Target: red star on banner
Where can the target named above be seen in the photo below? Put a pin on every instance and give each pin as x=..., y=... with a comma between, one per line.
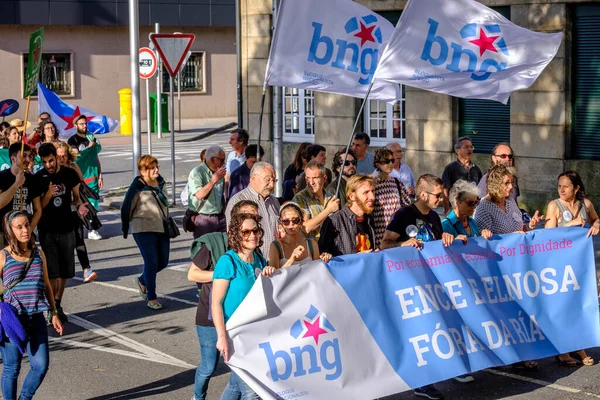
x=36, y=53
x=365, y=34
x=69, y=119
x=485, y=42
x=314, y=330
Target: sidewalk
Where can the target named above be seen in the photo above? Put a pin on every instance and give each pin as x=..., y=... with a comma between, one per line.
x=190, y=127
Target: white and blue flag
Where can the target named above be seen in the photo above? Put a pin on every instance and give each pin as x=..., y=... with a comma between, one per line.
x=64, y=114
x=329, y=46
x=464, y=49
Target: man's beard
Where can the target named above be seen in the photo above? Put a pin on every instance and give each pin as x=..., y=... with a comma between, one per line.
x=363, y=206
x=349, y=174
x=82, y=132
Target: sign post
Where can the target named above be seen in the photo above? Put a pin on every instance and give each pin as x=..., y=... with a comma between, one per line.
x=172, y=49
x=147, y=70
x=179, y=78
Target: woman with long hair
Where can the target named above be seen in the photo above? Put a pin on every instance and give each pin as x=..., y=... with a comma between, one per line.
x=572, y=208
x=27, y=295
x=144, y=209
x=232, y=280
x=49, y=132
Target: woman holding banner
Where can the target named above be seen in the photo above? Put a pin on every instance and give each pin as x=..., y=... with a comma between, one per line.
x=464, y=197
x=572, y=208
x=233, y=278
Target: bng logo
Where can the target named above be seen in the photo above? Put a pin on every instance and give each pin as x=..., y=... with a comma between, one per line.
x=479, y=41
x=363, y=41
x=316, y=350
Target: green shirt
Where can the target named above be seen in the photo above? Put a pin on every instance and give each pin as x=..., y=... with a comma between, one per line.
x=211, y=204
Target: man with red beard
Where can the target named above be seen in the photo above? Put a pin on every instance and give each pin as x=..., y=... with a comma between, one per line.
x=351, y=230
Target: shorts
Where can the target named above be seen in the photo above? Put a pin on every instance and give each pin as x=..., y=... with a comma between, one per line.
x=59, y=249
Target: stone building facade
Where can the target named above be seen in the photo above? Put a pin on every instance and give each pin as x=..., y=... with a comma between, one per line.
x=539, y=122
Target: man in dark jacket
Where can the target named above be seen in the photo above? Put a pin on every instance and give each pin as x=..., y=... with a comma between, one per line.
x=351, y=229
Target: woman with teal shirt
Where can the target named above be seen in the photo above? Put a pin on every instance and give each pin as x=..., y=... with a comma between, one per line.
x=464, y=198
x=232, y=280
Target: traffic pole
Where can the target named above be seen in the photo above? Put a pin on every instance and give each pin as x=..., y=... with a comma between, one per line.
x=158, y=91
x=172, y=138
x=148, y=116
x=134, y=64
x=179, y=76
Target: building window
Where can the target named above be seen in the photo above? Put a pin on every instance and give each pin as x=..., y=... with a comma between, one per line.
x=298, y=115
x=486, y=122
x=585, y=78
x=55, y=72
x=192, y=75
x=385, y=122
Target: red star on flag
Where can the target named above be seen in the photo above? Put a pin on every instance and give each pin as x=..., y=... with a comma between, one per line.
x=485, y=42
x=69, y=119
x=365, y=34
x=314, y=330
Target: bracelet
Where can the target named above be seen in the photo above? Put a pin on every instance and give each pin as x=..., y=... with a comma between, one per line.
x=55, y=312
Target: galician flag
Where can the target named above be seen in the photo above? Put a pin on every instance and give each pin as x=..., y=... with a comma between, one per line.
x=464, y=49
x=329, y=46
x=64, y=114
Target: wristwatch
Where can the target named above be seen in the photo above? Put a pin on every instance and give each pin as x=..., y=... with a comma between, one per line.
x=55, y=312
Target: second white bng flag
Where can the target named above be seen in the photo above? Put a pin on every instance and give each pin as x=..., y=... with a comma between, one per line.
x=464, y=49
x=329, y=46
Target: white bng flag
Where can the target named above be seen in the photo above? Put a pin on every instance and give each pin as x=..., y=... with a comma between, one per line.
x=464, y=49
x=329, y=46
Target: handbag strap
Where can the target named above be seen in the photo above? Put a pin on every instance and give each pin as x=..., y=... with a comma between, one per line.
x=156, y=198
x=23, y=273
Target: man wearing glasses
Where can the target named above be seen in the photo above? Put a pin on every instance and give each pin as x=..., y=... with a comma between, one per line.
x=460, y=169
x=501, y=154
x=259, y=190
x=348, y=171
x=206, y=204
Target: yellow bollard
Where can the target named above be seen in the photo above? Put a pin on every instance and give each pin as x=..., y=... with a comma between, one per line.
x=125, y=111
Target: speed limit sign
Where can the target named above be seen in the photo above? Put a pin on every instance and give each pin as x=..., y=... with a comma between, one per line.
x=148, y=63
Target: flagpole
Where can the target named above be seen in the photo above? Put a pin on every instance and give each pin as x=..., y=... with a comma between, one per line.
x=23, y=149
x=337, y=189
x=260, y=119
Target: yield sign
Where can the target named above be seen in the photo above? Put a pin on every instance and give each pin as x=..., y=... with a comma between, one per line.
x=172, y=49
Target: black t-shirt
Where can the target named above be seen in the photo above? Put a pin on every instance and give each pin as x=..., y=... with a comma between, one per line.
x=456, y=171
x=78, y=142
x=364, y=239
x=409, y=222
x=31, y=189
x=56, y=216
x=203, y=260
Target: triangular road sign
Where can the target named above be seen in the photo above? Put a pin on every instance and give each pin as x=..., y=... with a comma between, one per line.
x=172, y=48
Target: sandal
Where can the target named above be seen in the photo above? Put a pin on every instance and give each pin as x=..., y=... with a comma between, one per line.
x=143, y=294
x=526, y=366
x=156, y=306
x=565, y=363
x=582, y=357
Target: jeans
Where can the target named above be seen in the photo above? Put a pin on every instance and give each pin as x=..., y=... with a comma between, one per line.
x=236, y=387
x=207, y=337
x=37, y=350
x=155, y=252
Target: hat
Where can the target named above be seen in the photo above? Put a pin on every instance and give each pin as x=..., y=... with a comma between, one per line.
x=80, y=116
x=19, y=124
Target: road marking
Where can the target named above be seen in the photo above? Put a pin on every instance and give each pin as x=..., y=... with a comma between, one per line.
x=182, y=267
x=128, y=289
x=541, y=383
x=143, y=352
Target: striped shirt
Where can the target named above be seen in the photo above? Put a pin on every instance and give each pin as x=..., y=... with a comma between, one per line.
x=312, y=206
x=489, y=216
x=27, y=296
x=390, y=196
x=268, y=209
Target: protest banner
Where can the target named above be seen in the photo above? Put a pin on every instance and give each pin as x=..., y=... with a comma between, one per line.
x=474, y=53
x=5, y=162
x=367, y=326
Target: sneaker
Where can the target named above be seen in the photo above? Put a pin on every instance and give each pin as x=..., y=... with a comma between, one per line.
x=466, y=378
x=94, y=235
x=61, y=314
x=429, y=392
x=89, y=275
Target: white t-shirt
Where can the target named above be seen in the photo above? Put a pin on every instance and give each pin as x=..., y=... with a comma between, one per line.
x=234, y=161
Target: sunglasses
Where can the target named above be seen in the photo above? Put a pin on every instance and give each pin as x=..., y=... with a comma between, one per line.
x=387, y=161
x=472, y=203
x=350, y=162
x=438, y=196
x=288, y=221
x=504, y=156
x=246, y=232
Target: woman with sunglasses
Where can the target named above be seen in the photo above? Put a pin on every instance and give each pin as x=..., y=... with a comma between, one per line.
x=572, y=208
x=233, y=278
x=390, y=194
x=464, y=198
x=27, y=295
x=293, y=247
x=502, y=153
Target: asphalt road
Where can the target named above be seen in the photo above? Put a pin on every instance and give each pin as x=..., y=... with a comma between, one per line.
x=114, y=347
